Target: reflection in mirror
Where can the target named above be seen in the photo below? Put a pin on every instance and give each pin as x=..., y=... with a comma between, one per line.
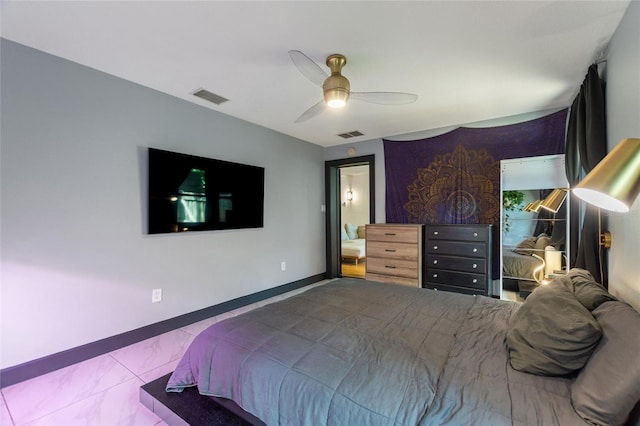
x=533, y=241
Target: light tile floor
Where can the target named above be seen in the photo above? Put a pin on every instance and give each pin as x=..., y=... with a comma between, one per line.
x=105, y=390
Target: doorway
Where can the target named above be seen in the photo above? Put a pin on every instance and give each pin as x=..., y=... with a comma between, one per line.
x=349, y=197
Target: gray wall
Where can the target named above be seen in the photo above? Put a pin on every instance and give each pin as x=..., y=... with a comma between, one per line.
x=77, y=265
x=623, y=111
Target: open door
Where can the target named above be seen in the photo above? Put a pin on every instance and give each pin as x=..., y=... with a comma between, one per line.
x=335, y=195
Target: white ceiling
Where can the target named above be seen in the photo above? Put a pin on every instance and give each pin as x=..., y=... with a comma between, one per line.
x=466, y=60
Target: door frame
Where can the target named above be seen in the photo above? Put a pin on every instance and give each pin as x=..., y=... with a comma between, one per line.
x=332, y=203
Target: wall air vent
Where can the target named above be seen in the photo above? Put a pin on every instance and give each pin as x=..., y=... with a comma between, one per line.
x=209, y=96
x=351, y=134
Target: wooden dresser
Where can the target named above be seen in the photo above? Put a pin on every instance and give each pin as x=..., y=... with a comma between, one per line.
x=458, y=258
x=394, y=253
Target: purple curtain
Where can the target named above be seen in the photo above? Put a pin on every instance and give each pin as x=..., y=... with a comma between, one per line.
x=455, y=177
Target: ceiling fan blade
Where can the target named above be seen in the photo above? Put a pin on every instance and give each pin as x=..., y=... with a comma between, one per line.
x=385, y=98
x=308, y=68
x=312, y=112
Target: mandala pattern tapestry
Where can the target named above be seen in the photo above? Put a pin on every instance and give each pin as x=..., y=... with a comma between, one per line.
x=455, y=177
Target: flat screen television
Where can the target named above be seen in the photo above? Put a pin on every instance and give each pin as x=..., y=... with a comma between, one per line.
x=190, y=193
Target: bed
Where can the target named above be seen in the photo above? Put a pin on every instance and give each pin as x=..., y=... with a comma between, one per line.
x=353, y=242
x=523, y=265
x=353, y=249
x=355, y=352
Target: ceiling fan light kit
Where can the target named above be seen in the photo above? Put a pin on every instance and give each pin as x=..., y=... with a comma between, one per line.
x=336, y=88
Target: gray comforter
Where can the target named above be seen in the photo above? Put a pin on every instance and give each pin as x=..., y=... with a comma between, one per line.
x=515, y=265
x=355, y=352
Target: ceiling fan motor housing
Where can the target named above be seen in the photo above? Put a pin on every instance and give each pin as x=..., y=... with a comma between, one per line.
x=336, y=87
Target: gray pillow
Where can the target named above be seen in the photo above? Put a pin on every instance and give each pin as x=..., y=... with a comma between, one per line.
x=588, y=292
x=608, y=387
x=526, y=246
x=541, y=243
x=551, y=334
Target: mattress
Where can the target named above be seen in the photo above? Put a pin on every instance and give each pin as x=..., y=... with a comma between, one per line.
x=361, y=352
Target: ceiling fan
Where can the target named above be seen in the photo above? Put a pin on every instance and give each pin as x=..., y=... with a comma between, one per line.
x=336, y=88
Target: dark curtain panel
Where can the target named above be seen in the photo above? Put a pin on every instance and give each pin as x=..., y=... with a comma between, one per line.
x=586, y=145
x=544, y=225
x=455, y=177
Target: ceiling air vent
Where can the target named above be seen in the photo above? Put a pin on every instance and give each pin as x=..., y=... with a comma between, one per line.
x=209, y=96
x=351, y=134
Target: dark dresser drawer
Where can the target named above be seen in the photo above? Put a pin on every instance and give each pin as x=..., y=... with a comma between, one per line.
x=457, y=248
x=458, y=232
x=461, y=279
x=464, y=290
x=464, y=264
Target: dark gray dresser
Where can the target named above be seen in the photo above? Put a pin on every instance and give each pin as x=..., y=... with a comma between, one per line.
x=458, y=258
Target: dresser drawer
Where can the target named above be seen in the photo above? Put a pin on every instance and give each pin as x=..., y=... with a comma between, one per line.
x=464, y=290
x=456, y=248
x=413, y=282
x=396, y=267
x=403, y=234
x=464, y=264
x=458, y=232
x=462, y=279
x=389, y=250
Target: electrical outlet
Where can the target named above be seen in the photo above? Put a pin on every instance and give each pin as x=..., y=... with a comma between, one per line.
x=156, y=295
x=283, y=266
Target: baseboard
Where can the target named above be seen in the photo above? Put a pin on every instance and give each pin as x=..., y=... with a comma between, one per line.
x=28, y=370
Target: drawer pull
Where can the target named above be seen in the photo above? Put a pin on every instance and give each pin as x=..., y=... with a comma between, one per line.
x=390, y=233
x=435, y=275
x=475, y=280
x=475, y=234
x=435, y=247
x=475, y=265
x=475, y=250
x=389, y=266
x=435, y=232
x=435, y=262
x=390, y=250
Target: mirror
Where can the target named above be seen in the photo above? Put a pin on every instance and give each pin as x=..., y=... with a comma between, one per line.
x=533, y=240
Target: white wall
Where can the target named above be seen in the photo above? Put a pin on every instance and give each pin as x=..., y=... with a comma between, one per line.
x=355, y=211
x=77, y=265
x=623, y=113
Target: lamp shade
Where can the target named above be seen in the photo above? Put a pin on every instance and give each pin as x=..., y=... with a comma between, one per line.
x=554, y=200
x=533, y=207
x=614, y=183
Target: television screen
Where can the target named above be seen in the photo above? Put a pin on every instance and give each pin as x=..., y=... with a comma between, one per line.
x=189, y=193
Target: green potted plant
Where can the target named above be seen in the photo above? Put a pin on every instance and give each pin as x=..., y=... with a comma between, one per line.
x=511, y=201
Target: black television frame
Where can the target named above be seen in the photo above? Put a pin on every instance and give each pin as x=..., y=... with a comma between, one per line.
x=227, y=195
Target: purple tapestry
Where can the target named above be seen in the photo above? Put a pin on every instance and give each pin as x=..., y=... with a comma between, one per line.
x=455, y=177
